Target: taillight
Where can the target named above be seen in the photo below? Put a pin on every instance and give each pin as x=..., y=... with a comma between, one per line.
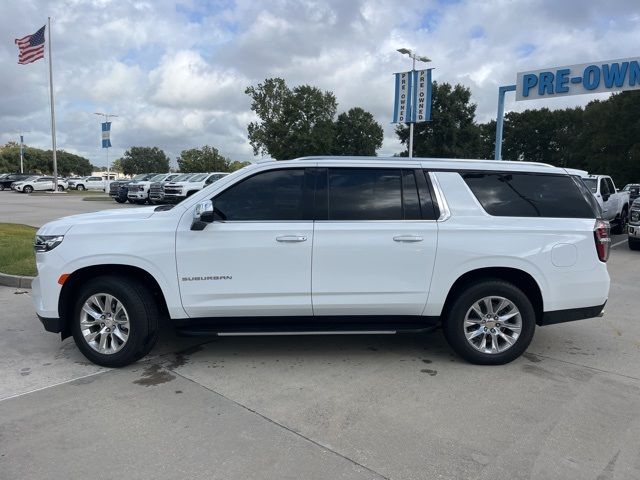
x=602, y=238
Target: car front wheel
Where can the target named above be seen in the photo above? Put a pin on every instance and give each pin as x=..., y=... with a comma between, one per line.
x=490, y=323
x=80, y=187
x=634, y=244
x=27, y=189
x=60, y=188
x=115, y=321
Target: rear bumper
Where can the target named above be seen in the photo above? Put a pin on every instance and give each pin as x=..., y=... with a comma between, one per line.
x=562, y=316
x=54, y=325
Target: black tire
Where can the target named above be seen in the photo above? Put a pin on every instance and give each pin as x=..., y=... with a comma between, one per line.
x=1, y=187
x=143, y=319
x=454, y=329
x=27, y=189
x=634, y=244
x=80, y=187
x=621, y=222
x=120, y=200
x=140, y=202
x=60, y=188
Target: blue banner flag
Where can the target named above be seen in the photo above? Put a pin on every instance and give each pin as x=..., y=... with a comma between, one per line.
x=106, y=134
x=412, y=97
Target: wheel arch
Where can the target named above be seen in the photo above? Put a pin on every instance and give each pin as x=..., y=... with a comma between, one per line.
x=521, y=279
x=85, y=274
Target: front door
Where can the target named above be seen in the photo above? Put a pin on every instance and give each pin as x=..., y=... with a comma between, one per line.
x=374, y=253
x=255, y=258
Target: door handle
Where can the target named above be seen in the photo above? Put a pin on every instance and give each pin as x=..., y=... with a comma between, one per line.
x=291, y=238
x=407, y=238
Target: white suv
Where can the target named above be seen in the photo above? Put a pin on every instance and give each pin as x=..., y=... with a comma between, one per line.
x=486, y=249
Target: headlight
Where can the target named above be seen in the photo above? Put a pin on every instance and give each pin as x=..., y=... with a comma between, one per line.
x=44, y=243
x=635, y=215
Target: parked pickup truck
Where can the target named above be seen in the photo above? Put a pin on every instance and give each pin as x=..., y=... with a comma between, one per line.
x=139, y=190
x=119, y=190
x=634, y=225
x=156, y=190
x=614, y=203
x=175, y=192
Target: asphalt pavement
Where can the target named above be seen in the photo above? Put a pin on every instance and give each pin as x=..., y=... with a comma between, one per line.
x=326, y=407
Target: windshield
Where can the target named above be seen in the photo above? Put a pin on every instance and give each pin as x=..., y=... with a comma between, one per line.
x=183, y=177
x=198, y=178
x=591, y=183
x=139, y=177
x=158, y=178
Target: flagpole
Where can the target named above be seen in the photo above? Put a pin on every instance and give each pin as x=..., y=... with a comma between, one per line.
x=53, y=114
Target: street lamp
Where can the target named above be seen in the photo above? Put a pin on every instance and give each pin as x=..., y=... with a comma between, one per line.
x=107, y=116
x=420, y=58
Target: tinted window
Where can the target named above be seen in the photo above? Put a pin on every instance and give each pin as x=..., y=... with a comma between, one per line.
x=528, y=195
x=612, y=188
x=364, y=194
x=604, y=188
x=410, y=197
x=273, y=195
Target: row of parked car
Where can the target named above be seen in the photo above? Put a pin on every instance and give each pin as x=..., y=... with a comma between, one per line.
x=32, y=182
x=160, y=188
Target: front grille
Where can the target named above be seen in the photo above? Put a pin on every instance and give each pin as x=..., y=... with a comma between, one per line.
x=169, y=190
x=114, y=187
x=156, y=190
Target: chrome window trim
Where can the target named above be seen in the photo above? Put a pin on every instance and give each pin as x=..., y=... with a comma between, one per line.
x=445, y=212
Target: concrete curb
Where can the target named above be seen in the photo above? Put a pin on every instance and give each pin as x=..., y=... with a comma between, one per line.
x=15, y=281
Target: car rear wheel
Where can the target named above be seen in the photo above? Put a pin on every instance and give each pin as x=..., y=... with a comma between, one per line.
x=115, y=321
x=621, y=223
x=60, y=188
x=1, y=187
x=490, y=323
x=27, y=189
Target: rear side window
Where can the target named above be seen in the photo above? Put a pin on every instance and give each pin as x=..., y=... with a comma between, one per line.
x=528, y=195
x=365, y=194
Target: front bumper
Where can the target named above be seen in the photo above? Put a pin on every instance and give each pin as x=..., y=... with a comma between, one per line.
x=634, y=231
x=53, y=325
x=137, y=195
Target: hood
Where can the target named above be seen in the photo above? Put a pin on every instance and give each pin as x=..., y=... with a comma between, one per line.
x=62, y=225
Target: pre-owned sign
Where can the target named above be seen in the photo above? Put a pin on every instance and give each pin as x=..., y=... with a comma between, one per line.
x=609, y=76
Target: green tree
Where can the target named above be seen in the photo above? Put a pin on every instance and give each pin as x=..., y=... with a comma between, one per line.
x=293, y=122
x=205, y=159
x=237, y=165
x=144, y=160
x=452, y=132
x=116, y=165
x=37, y=160
x=357, y=133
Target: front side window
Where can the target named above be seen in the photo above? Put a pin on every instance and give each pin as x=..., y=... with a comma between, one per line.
x=604, y=188
x=529, y=195
x=275, y=195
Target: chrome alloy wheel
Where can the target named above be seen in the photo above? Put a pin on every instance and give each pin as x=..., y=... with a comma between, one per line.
x=104, y=323
x=492, y=325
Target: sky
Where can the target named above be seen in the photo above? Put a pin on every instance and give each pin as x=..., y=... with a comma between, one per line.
x=175, y=72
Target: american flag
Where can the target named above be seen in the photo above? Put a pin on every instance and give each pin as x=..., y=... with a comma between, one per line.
x=31, y=47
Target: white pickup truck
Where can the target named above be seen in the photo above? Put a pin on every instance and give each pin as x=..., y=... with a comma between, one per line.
x=614, y=203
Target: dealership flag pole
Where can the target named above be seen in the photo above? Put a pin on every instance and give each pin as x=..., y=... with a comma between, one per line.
x=53, y=113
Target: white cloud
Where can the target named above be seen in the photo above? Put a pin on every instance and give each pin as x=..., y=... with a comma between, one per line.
x=176, y=72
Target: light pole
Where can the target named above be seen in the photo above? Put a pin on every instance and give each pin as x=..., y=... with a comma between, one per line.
x=421, y=58
x=107, y=116
x=21, y=132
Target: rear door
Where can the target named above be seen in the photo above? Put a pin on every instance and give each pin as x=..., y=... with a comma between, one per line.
x=375, y=241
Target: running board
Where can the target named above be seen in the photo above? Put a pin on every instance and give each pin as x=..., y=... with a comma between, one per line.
x=305, y=326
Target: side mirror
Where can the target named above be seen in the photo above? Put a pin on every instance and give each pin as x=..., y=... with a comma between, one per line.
x=202, y=215
x=605, y=197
